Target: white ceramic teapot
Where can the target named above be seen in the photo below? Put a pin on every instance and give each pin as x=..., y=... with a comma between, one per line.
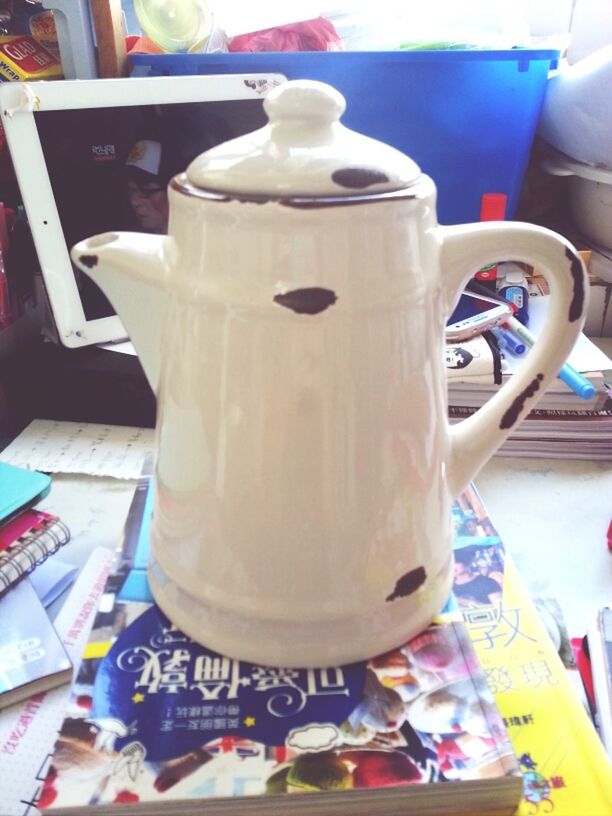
x=292, y=327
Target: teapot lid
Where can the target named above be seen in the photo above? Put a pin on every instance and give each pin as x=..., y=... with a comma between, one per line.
x=303, y=151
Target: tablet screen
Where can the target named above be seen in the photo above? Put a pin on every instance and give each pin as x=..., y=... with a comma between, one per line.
x=93, y=156
x=109, y=167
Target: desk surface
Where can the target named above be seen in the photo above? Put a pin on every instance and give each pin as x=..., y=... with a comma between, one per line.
x=552, y=515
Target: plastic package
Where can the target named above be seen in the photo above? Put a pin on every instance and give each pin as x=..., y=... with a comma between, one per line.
x=309, y=35
x=238, y=17
x=35, y=21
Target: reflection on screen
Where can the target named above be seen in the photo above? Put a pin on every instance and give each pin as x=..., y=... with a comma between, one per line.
x=109, y=167
x=468, y=306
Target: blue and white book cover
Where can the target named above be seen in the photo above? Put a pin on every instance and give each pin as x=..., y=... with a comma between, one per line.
x=157, y=718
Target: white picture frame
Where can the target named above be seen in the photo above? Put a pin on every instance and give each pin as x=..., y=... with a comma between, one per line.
x=19, y=103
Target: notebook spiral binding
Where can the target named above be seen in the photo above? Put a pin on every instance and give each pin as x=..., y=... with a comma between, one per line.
x=30, y=550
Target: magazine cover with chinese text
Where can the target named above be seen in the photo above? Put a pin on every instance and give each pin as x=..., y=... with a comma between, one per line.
x=158, y=723
x=566, y=770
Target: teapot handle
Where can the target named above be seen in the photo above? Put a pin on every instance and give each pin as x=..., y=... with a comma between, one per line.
x=467, y=248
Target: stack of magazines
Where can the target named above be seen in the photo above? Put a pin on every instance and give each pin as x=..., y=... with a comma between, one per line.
x=563, y=425
x=557, y=434
x=463, y=718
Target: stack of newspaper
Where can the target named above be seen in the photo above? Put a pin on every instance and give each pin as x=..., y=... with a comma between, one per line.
x=557, y=434
x=563, y=425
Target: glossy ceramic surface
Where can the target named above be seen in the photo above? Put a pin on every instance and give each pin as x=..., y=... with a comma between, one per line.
x=305, y=467
x=303, y=151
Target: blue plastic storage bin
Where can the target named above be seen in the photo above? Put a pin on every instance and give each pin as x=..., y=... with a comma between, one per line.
x=468, y=118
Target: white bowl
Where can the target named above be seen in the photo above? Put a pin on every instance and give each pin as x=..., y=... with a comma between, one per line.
x=576, y=115
x=591, y=208
x=590, y=196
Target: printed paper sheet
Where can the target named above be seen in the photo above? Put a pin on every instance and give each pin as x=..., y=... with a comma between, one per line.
x=81, y=447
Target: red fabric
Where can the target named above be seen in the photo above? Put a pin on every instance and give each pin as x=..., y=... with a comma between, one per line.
x=310, y=35
x=141, y=45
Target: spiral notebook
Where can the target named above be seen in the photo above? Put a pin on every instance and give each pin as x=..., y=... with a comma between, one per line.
x=27, y=541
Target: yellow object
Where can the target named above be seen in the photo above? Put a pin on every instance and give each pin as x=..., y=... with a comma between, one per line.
x=96, y=650
x=24, y=58
x=566, y=769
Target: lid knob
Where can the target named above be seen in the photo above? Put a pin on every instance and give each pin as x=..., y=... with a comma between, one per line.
x=308, y=99
x=303, y=151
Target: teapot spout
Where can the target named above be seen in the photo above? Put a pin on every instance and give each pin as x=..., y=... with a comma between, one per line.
x=129, y=268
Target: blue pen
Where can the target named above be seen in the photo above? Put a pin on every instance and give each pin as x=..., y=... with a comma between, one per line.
x=509, y=342
x=572, y=378
x=579, y=384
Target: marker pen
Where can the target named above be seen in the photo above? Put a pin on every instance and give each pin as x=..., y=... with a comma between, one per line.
x=509, y=342
x=572, y=378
